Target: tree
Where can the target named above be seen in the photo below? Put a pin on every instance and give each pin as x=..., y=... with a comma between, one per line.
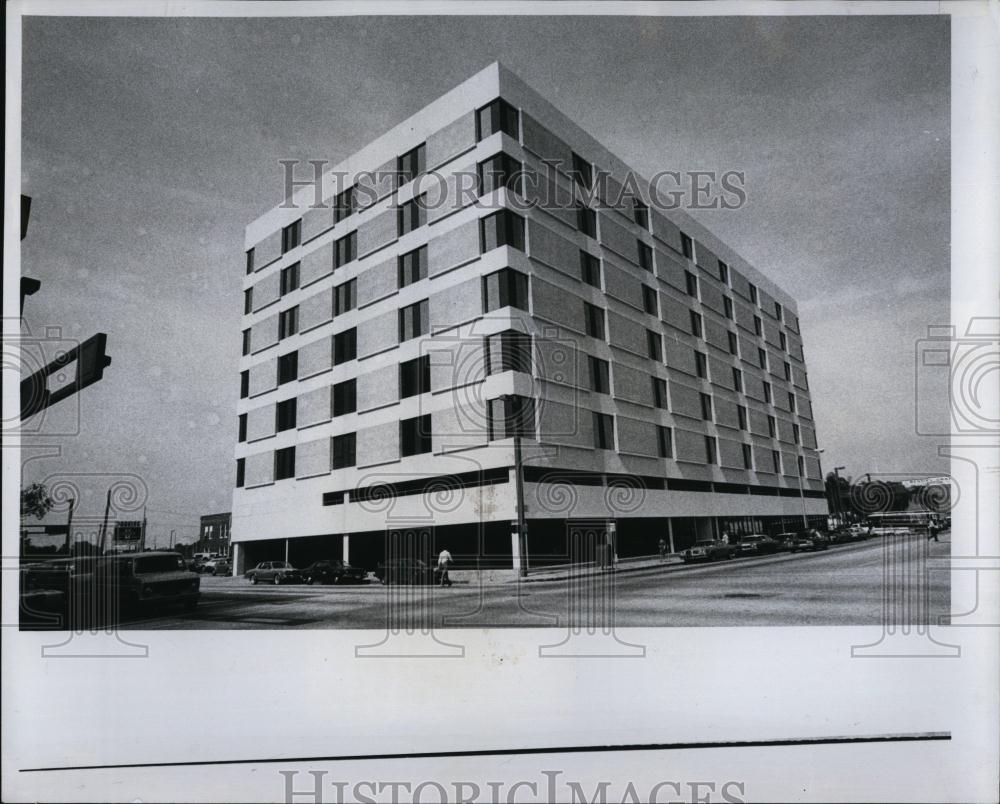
x=35, y=501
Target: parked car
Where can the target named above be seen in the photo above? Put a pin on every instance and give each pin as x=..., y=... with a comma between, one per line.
x=708, y=550
x=333, y=571
x=404, y=571
x=276, y=572
x=218, y=566
x=786, y=541
x=810, y=539
x=757, y=544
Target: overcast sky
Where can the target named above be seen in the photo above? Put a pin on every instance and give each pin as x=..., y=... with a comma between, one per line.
x=149, y=144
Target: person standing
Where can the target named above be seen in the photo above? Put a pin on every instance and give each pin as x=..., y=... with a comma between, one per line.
x=444, y=561
x=663, y=548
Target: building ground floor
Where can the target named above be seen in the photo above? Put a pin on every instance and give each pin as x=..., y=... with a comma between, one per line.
x=495, y=545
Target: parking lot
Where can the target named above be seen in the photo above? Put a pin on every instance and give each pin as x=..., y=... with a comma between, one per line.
x=840, y=586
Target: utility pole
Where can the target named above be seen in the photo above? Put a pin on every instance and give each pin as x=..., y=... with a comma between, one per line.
x=837, y=501
x=104, y=525
x=802, y=495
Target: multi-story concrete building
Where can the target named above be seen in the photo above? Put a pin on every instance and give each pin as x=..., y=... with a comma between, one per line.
x=445, y=322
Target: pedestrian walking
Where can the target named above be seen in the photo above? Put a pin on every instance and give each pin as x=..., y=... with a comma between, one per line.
x=932, y=531
x=444, y=561
x=663, y=548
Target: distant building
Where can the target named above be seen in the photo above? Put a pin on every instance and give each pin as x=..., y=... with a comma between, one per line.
x=213, y=536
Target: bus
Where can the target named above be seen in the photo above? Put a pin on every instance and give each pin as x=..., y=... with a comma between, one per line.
x=900, y=521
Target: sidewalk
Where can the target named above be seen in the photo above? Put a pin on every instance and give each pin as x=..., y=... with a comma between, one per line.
x=585, y=570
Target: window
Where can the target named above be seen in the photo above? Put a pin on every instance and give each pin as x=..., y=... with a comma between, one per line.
x=248, y=301
x=346, y=250
x=654, y=345
x=242, y=428
x=701, y=364
x=758, y=325
x=800, y=462
x=244, y=384
x=640, y=214
x=753, y=292
x=594, y=317
x=505, y=288
x=586, y=220
x=291, y=236
x=345, y=204
x=777, y=310
x=783, y=341
x=599, y=375
x=508, y=351
x=411, y=164
x=762, y=358
x=415, y=376
x=582, y=172
x=511, y=416
x=772, y=426
x=691, y=284
x=415, y=435
x=413, y=266
x=791, y=402
x=604, y=431
x=776, y=461
x=345, y=346
x=727, y=307
x=250, y=256
x=288, y=322
x=660, y=392
x=741, y=414
x=284, y=463
x=412, y=215
x=734, y=346
x=665, y=441
x=737, y=380
x=289, y=279
x=696, y=324
x=502, y=228
x=590, y=269
x=413, y=321
x=499, y=171
x=767, y=392
x=345, y=297
x=706, y=407
x=788, y=369
x=496, y=116
x=246, y=341
x=241, y=466
x=723, y=273
x=687, y=246
x=747, y=456
x=288, y=367
x=649, y=300
x=796, y=434
x=284, y=415
x=711, y=450
x=345, y=449
x=645, y=256
x=345, y=397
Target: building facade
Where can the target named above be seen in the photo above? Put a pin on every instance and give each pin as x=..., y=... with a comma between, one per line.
x=214, y=534
x=476, y=308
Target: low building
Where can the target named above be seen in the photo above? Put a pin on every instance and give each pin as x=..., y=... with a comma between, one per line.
x=214, y=534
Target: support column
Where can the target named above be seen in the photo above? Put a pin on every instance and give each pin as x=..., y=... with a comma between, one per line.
x=515, y=546
x=286, y=549
x=346, y=549
x=234, y=551
x=670, y=534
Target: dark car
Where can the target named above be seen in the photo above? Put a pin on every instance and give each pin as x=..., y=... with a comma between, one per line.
x=810, y=540
x=756, y=544
x=708, y=550
x=276, y=572
x=219, y=566
x=144, y=580
x=404, y=571
x=786, y=541
x=333, y=571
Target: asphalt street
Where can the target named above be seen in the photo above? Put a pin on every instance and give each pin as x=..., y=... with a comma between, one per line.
x=845, y=585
